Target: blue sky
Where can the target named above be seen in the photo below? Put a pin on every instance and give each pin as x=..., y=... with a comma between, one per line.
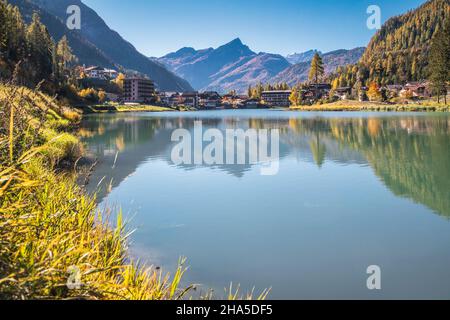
x=157, y=27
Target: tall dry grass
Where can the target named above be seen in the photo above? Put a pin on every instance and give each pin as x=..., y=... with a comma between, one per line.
x=54, y=242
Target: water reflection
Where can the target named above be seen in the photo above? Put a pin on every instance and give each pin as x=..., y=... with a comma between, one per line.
x=409, y=153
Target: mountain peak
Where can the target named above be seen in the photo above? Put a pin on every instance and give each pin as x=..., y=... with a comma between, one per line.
x=186, y=50
x=237, y=47
x=236, y=41
x=96, y=43
x=302, y=57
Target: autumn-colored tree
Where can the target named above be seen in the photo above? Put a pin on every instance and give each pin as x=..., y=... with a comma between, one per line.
x=317, y=70
x=399, y=52
x=335, y=84
x=249, y=91
x=62, y=61
x=101, y=96
x=90, y=95
x=120, y=80
x=374, y=92
x=64, y=52
x=294, y=98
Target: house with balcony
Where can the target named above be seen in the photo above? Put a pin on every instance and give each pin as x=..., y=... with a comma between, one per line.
x=419, y=89
x=138, y=90
x=276, y=98
x=210, y=100
x=190, y=99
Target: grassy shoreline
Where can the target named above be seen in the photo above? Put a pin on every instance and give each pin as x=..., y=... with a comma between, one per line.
x=374, y=106
x=54, y=242
x=126, y=109
x=349, y=106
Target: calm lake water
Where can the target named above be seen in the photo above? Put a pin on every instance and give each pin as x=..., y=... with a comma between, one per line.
x=353, y=190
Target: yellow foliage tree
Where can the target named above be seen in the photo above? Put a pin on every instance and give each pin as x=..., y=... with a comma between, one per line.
x=119, y=80
x=294, y=97
x=101, y=96
x=374, y=92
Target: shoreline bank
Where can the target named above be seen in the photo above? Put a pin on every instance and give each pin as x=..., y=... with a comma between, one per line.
x=341, y=106
x=374, y=107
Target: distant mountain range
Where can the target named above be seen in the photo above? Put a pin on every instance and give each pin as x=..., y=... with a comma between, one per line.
x=331, y=60
x=235, y=66
x=96, y=43
x=302, y=57
x=398, y=52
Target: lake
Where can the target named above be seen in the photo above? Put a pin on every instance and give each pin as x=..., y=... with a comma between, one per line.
x=352, y=190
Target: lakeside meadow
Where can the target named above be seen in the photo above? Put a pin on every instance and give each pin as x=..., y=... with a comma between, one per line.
x=349, y=105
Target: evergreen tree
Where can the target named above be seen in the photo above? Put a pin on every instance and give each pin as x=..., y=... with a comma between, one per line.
x=259, y=90
x=317, y=70
x=33, y=50
x=41, y=48
x=64, y=52
x=440, y=62
x=64, y=59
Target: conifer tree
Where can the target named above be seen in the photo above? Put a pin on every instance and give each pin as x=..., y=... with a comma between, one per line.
x=41, y=48
x=317, y=70
x=440, y=62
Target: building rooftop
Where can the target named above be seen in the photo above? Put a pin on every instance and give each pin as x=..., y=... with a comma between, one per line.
x=93, y=68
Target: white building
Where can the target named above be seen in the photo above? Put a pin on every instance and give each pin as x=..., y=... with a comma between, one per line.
x=96, y=72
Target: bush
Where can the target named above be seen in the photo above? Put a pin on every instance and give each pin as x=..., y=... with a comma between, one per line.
x=90, y=95
x=61, y=146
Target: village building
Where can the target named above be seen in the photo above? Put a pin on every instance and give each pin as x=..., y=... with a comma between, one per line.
x=419, y=89
x=175, y=100
x=343, y=93
x=165, y=98
x=113, y=97
x=318, y=90
x=138, y=90
x=313, y=92
x=190, y=99
x=96, y=72
x=279, y=98
x=252, y=104
x=235, y=101
x=210, y=100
